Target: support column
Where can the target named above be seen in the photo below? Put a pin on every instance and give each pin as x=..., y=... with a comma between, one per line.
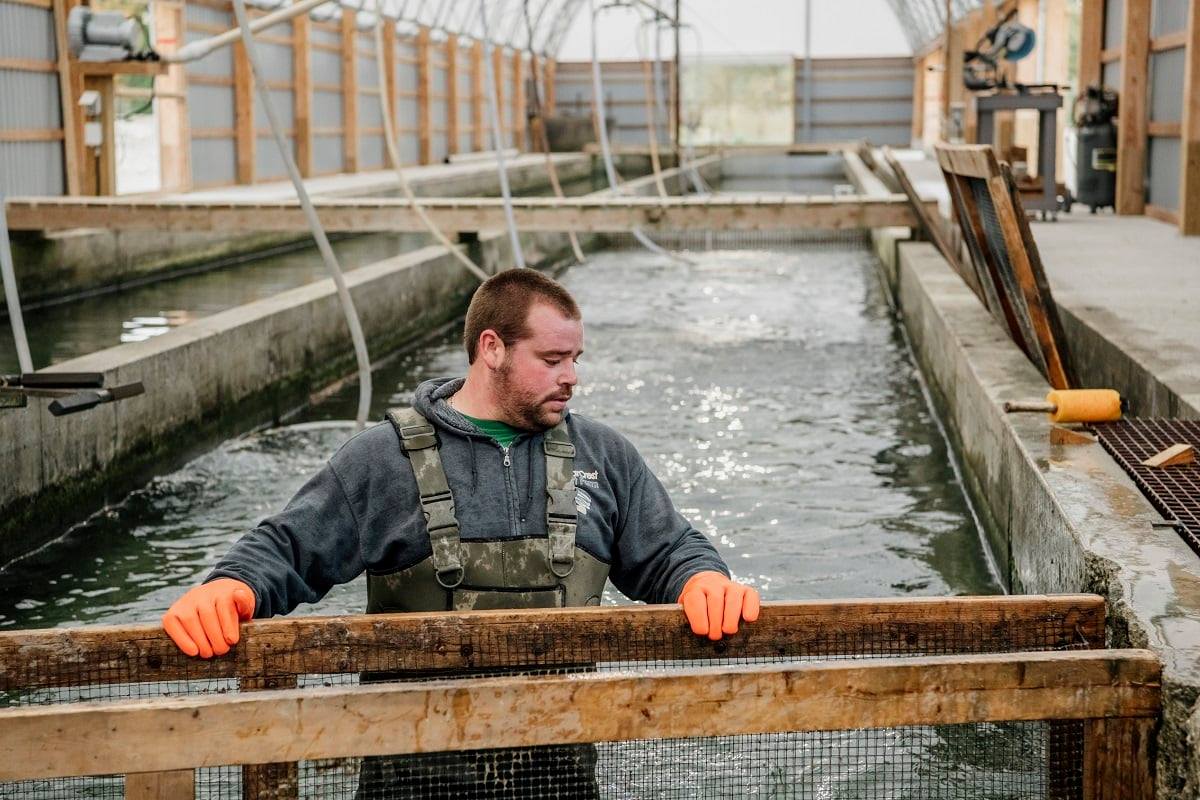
x=1189, y=133
x=1133, y=119
x=424, y=84
x=477, y=125
x=498, y=71
x=550, y=100
x=452, y=94
x=302, y=89
x=243, y=114
x=1091, y=42
x=174, y=128
x=349, y=43
x=68, y=95
x=389, y=73
x=518, y=101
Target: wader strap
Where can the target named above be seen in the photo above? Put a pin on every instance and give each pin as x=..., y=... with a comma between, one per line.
x=560, y=498
x=419, y=441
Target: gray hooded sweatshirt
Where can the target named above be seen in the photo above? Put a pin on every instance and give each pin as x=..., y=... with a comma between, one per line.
x=362, y=511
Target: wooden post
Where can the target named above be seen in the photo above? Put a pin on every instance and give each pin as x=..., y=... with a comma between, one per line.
x=389, y=68
x=1117, y=763
x=518, y=100
x=174, y=128
x=452, y=93
x=243, y=114
x=68, y=95
x=478, y=129
x=160, y=785
x=551, y=95
x=1189, y=141
x=1133, y=117
x=424, y=86
x=947, y=70
x=302, y=87
x=1091, y=42
x=279, y=781
x=918, y=118
x=498, y=71
x=349, y=43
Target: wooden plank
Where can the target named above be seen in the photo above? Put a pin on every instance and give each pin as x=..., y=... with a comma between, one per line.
x=551, y=90
x=68, y=91
x=1134, y=113
x=243, y=114
x=424, y=86
x=907, y=626
x=1031, y=273
x=28, y=64
x=302, y=90
x=32, y=135
x=379, y=719
x=478, y=127
x=1189, y=156
x=34, y=3
x=473, y=214
x=1091, y=42
x=1167, y=129
x=170, y=785
x=1169, y=41
x=1110, y=56
x=498, y=74
x=349, y=89
x=1167, y=215
x=1173, y=456
x=1118, y=759
x=931, y=223
x=452, y=129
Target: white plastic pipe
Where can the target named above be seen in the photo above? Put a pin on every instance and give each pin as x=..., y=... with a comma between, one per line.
x=10, y=292
x=602, y=128
x=195, y=50
x=497, y=133
x=318, y=232
x=389, y=135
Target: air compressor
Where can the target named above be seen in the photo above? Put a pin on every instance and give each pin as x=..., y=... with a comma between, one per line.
x=1095, y=148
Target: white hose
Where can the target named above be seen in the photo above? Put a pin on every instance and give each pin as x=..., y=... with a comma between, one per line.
x=497, y=134
x=389, y=135
x=10, y=292
x=318, y=232
x=195, y=50
x=602, y=128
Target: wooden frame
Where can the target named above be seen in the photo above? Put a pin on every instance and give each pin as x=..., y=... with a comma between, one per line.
x=1189, y=141
x=1134, y=114
x=171, y=734
x=447, y=641
x=1010, y=281
x=349, y=55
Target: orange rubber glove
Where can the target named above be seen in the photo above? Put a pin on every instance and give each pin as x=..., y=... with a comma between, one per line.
x=714, y=604
x=206, y=619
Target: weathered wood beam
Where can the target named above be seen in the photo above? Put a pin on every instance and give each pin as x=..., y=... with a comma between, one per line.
x=380, y=719
x=1189, y=157
x=470, y=214
x=303, y=93
x=245, y=137
x=349, y=45
x=452, y=129
x=1135, y=112
x=478, y=127
x=68, y=87
x=424, y=89
x=32, y=659
x=1091, y=42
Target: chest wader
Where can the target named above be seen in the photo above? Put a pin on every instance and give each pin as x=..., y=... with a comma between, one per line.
x=550, y=572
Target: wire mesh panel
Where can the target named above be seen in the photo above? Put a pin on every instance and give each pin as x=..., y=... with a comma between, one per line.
x=1019, y=759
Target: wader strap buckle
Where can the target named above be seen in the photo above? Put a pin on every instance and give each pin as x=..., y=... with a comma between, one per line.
x=560, y=499
x=419, y=441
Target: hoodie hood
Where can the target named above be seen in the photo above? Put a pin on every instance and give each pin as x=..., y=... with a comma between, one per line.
x=430, y=401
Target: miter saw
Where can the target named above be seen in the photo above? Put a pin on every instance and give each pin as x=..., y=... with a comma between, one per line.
x=1007, y=40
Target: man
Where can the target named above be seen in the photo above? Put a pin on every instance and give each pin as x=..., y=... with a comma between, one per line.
x=487, y=493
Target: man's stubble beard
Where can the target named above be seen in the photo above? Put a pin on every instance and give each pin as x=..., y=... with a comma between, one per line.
x=521, y=406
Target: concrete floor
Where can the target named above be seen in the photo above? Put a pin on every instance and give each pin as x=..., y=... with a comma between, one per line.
x=1133, y=280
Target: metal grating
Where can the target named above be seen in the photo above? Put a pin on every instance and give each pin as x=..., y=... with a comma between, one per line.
x=1174, y=491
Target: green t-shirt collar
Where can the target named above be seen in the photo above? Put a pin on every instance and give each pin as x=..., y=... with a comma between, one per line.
x=502, y=432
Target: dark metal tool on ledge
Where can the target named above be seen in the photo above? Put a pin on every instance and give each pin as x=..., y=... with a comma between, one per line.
x=73, y=391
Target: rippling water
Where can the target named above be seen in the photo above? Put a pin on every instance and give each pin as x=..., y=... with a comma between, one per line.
x=770, y=390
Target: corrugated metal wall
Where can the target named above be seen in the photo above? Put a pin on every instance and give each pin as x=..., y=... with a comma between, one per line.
x=275, y=56
x=407, y=108
x=371, y=145
x=857, y=98
x=466, y=123
x=1166, y=105
x=31, y=139
x=325, y=66
x=624, y=98
x=438, y=97
x=210, y=101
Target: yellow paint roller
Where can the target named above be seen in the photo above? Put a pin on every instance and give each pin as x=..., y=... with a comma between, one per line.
x=1075, y=405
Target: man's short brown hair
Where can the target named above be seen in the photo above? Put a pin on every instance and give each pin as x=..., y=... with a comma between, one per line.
x=502, y=302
